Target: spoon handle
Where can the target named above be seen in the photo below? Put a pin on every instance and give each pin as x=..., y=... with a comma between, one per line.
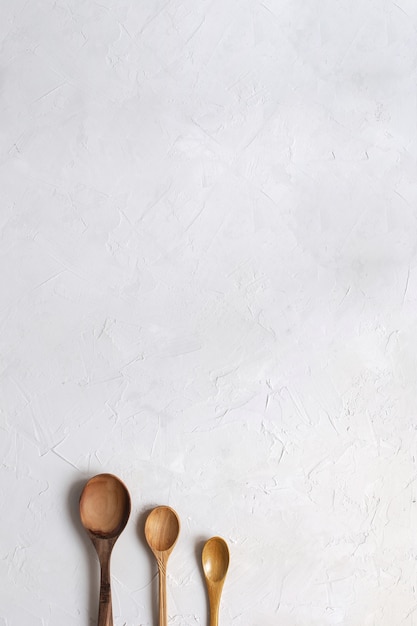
x=163, y=613
x=105, y=613
x=214, y=600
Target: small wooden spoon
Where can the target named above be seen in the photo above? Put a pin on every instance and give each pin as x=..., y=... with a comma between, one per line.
x=215, y=559
x=162, y=528
x=104, y=511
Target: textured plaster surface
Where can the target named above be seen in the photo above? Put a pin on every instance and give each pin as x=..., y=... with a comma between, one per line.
x=208, y=286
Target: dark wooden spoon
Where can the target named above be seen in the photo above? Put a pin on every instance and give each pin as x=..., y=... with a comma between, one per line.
x=104, y=511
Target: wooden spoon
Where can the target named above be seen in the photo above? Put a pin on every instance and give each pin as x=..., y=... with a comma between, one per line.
x=104, y=511
x=162, y=528
x=215, y=560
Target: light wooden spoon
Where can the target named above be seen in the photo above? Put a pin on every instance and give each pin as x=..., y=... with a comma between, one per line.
x=215, y=559
x=104, y=511
x=162, y=528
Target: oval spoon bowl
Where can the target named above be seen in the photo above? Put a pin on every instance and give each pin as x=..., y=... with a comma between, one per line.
x=105, y=506
x=215, y=559
x=162, y=528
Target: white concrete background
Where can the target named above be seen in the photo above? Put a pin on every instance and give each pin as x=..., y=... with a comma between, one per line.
x=209, y=288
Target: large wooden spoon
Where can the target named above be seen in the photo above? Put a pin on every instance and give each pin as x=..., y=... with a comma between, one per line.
x=215, y=560
x=104, y=511
x=162, y=528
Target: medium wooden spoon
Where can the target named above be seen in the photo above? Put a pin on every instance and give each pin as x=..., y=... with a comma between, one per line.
x=162, y=528
x=104, y=511
x=215, y=560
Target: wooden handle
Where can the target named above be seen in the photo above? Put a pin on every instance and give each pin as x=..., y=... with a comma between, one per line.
x=163, y=613
x=105, y=613
x=214, y=593
x=104, y=548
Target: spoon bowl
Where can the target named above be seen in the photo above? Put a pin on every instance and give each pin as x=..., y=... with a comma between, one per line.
x=162, y=528
x=104, y=512
x=215, y=559
x=104, y=506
